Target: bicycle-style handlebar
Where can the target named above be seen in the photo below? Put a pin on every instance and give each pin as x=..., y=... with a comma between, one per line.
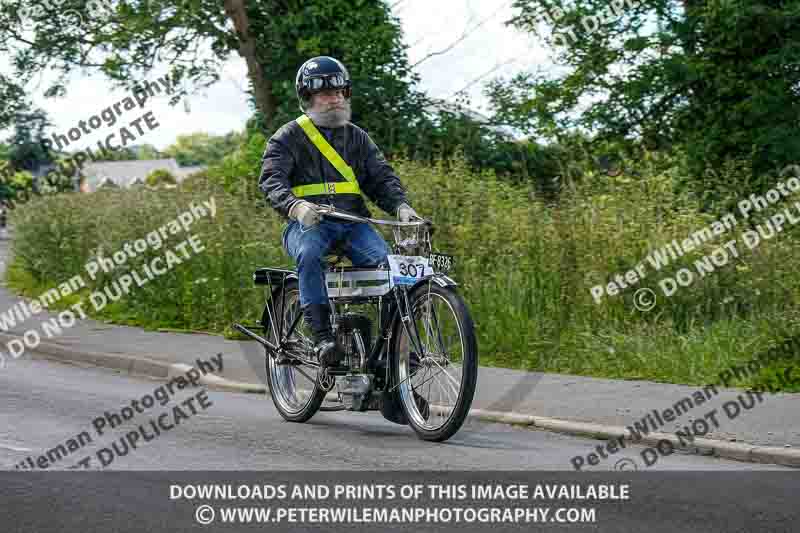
x=330, y=211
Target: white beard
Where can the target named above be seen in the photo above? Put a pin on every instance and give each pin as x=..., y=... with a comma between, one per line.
x=331, y=118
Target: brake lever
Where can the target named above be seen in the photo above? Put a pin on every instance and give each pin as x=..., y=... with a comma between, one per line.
x=428, y=224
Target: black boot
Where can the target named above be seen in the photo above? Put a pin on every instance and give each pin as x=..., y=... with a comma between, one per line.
x=318, y=318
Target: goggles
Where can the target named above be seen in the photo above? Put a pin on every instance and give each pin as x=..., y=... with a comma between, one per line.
x=329, y=81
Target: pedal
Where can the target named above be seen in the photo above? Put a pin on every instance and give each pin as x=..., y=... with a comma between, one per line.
x=281, y=359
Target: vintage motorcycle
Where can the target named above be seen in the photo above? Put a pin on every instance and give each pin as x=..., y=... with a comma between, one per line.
x=408, y=337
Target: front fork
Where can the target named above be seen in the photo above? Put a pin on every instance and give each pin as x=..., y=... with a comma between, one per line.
x=405, y=316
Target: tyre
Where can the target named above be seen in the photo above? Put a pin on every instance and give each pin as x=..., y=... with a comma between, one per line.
x=435, y=388
x=295, y=390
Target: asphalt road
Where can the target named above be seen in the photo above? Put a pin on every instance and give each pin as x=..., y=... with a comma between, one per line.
x=43, y=404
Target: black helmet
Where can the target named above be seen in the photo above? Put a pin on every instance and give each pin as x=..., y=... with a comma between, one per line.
x=320, y=73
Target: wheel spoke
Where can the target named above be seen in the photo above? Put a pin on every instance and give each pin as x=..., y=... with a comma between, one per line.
x=293, y=397
x=430, y=382
x=406, y=379
x=446, y=373
x=444, y=353
x=422, y=379
x=438, y=331
x=309, y=378
x=448, y=389
x=433, y=376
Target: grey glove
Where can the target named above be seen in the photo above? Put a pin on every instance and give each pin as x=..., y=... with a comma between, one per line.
x=405, y=213
x=305, y=213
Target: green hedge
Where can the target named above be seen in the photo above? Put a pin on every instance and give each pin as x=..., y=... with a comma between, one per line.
x=524, y=268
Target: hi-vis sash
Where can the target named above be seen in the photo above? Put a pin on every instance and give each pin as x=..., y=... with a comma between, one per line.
x=339, y=187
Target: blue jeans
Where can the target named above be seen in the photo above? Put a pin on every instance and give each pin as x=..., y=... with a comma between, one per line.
x=363, y=245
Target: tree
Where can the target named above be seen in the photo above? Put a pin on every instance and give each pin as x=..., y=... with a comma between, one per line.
x=367, y=38
x=159, y=177
x=123, y=39
x=716, y=79
x=203, y=149
x=25, y=149
x=146, y=151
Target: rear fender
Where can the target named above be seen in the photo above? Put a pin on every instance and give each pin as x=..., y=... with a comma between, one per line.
x=274, y=298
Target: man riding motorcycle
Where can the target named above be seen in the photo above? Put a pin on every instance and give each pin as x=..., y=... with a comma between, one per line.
x=323, y=158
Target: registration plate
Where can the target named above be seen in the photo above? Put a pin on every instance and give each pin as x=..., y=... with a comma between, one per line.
x=441, y=262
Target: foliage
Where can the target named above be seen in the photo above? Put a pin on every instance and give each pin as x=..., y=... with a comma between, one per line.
x=134, y=152
x=238, y=172
x=203, y=149
x=147, y=151
x=160, y=176
x=525, y=269
x=714, y=79
x=120, y=39
x=367, y=38
x=18, y=188
x=487, y=147
x=386, y=101
x=124, y=153
x=25, y=151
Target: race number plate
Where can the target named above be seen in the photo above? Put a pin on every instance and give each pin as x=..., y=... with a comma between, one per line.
x=407, y=269
x=441, y=262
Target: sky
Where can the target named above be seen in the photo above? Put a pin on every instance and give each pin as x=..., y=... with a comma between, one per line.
x=428, y=26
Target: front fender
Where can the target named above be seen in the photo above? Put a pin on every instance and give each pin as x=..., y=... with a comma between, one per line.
x=439, y=278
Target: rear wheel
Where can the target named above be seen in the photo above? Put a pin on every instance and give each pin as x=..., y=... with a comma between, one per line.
x=294, y=388
x=436, y=387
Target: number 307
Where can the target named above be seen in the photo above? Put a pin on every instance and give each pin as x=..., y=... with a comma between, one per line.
x=410, y=269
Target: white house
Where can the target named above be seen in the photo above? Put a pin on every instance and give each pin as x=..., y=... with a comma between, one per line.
x=128, y=173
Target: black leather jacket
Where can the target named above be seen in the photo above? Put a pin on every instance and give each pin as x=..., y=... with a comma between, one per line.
x=291, y=159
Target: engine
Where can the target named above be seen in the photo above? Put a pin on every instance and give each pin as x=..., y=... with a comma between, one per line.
x=354, y=336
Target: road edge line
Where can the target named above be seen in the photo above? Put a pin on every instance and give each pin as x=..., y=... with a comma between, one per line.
x=749, y=453
x=135, y=365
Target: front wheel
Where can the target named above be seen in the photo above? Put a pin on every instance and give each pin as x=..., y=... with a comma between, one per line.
x=435, y=387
